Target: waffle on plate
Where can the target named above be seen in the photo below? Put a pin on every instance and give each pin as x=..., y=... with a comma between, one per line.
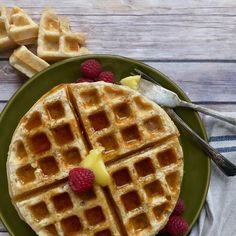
x=142, y=154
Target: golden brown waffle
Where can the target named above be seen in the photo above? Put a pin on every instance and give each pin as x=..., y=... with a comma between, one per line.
x=146, y=162
x=119, y=119
x=63, y=212
x=21, y=28
x=56, y=41
x=146, y=186
x=46, y=144
x=5, y=41
x=26, y=62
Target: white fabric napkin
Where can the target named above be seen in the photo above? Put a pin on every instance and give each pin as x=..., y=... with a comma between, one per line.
x=218, y=217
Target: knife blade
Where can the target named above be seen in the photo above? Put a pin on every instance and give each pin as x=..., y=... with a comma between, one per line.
x=167, y=98
x=158, y=94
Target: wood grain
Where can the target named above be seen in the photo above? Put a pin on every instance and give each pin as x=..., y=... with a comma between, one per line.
x=126, y=6
x=4, y=234
x=201, y=81
x=155, y=30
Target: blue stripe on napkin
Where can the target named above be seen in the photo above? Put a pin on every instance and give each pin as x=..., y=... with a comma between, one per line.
x=222, y=138
x=226, y=149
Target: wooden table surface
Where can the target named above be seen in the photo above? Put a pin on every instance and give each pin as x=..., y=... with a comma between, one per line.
x=193, y=42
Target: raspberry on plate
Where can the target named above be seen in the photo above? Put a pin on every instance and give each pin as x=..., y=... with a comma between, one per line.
x=107, y=76
x=81, y=179
x=82, y=80
x=91, y=68
x=179, y=208
x=176, y=226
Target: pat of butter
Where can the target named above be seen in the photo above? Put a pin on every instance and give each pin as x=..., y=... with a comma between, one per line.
x=95, y=163
x=131, y=81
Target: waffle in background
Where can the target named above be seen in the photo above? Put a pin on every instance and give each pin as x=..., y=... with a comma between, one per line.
x=20, y=27
x=56, y=41
x=26, y=62
x=5, y=41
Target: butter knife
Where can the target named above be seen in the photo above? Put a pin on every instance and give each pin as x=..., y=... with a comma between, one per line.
x=167, y=98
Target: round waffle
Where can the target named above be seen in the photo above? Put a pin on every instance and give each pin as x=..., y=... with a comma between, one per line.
x=142, y=154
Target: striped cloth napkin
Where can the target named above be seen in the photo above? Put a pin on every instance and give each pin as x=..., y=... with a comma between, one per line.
x=218, y=217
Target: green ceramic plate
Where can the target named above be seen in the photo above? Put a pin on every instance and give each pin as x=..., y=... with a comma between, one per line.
x=196, y=163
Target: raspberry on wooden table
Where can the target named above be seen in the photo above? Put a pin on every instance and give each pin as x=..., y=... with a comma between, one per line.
x=81, y=179
x=91, y=68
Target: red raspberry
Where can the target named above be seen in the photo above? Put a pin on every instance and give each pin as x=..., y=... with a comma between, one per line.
x=81, y=179
x=177, y=226
x=91, y=68
x=107, y=76
x=179, y=208
x=82, y=80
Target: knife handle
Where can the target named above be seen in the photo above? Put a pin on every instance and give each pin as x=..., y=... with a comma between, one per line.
x=227, y=167
x=209, y=112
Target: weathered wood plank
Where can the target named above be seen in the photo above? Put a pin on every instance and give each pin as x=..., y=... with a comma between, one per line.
x=178, y=31
x=127, y=6
x=10, y=80
x=201, y=81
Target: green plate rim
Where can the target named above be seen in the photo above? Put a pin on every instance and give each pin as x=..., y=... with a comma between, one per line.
x=202, y=128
